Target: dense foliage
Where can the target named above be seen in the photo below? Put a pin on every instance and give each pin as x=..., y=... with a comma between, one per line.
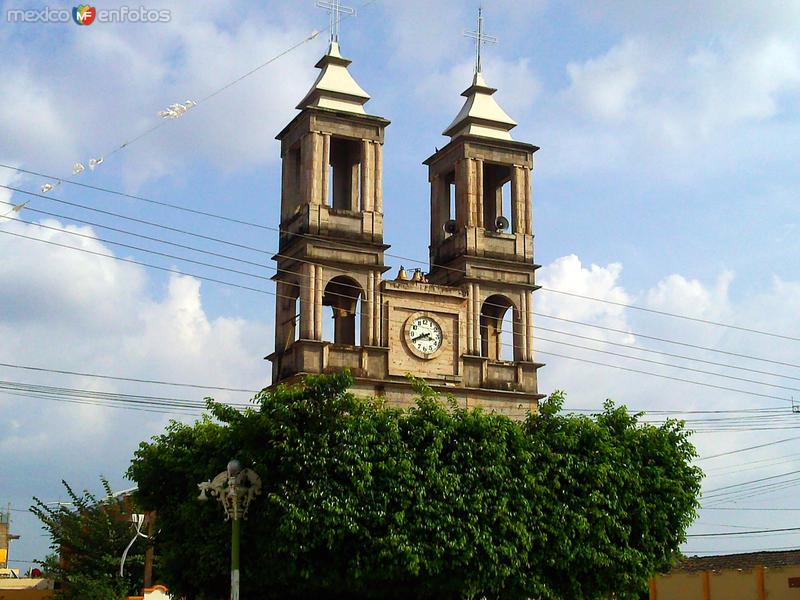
x=88, y=536
x=362, y=501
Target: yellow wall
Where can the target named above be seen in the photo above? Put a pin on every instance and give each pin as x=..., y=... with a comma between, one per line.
x=728, y=584
x=687, y=586
x=733, y=584
x=776, y=582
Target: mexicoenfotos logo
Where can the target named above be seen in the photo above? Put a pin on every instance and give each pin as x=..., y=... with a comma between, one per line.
x=83, y=14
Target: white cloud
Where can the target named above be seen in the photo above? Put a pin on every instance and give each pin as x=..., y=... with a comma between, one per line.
x=674, y=103
x=605, y=87
x=679, y=295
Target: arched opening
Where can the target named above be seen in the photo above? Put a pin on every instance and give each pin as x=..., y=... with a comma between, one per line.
x=496, y=195
x=343, y=296
x=344, y=174
x=497, y=328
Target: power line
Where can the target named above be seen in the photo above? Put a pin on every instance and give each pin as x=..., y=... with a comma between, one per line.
x=273, y=268
x=143, y=199
x=753, y=532
x=750, y=508
x=674, y=315
x=140, y=249
x=736, y=485
x=136, y=220
x=716, y=551
x=264, y=278
x=663, y=364
x=311, y=262
x=666, y=340
x=141, y=263
x=662, y=353
x=130, y=379
x=417, y=261
x=791, y=439
x=137, y=262
x=184, y=246
x=138, y=235
x=709, y=385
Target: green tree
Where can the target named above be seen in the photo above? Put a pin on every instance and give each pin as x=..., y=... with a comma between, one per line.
x=88, y=535
x=363, y=501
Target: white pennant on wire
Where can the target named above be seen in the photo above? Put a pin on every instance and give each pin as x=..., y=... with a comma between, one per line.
x=176, y=110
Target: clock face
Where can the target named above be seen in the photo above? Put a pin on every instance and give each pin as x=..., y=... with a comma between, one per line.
x=425, y=335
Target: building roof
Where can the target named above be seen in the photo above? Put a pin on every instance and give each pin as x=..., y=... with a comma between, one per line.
x=748, y=560
x=335, y=88
x=481, y=115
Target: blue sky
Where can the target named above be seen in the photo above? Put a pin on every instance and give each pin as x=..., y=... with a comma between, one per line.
x=667, y=178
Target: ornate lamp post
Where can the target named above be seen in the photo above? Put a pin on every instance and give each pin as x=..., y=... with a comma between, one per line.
x=235, y=488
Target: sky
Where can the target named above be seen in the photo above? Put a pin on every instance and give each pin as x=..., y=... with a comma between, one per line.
x=667, y=180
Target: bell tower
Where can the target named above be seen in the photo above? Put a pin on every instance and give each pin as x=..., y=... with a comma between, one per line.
x=330, y=258
x=482, y=232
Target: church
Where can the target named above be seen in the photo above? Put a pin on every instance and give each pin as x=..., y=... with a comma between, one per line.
x=466, y=325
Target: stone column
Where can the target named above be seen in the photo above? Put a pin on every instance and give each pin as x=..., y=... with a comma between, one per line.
x=519, y=328
x=307, y=283
x=326, y=168
x=367, y=313
x=518, y=195
x=311, y=161
x=287, y=195
x=528, y=319
x=478, y=210
x=470, y=319
x=476, y=323
x=319, y=283
x=528, y=203
x=462, y=192
x=378, y=177
x=471, y=196
x=367, y=186
x=376, y=310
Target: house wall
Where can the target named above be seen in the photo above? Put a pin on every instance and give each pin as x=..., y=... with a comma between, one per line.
x=759, y=583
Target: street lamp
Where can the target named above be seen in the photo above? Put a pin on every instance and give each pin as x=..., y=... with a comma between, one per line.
x=235, y=488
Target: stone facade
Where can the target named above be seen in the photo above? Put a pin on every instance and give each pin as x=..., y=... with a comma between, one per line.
x=331, y=256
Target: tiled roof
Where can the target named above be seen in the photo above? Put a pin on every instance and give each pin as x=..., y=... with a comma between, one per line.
x=747, y=560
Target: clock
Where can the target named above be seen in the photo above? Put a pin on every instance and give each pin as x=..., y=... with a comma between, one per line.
x=424, y=336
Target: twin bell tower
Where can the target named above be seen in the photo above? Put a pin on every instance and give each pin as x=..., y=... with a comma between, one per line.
x=466, y=325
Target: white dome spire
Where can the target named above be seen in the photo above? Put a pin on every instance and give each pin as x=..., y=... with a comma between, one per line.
x=335, y=88
x=481, y=115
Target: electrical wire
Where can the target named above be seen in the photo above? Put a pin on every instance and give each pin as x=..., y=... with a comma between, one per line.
x=266, y=292
x=747, y=449
x=261, y=265
x=129, y=379
x=433, y=265
x=311, y=262
x=264, y=278
x=674, y=315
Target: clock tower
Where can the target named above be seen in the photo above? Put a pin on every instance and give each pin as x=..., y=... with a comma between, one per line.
x=466, y=326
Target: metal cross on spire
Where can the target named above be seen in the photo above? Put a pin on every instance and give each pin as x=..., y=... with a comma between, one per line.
x=480, y=39
x=335, y=8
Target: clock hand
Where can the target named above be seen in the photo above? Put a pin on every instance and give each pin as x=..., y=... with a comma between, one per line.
x=419, y=337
